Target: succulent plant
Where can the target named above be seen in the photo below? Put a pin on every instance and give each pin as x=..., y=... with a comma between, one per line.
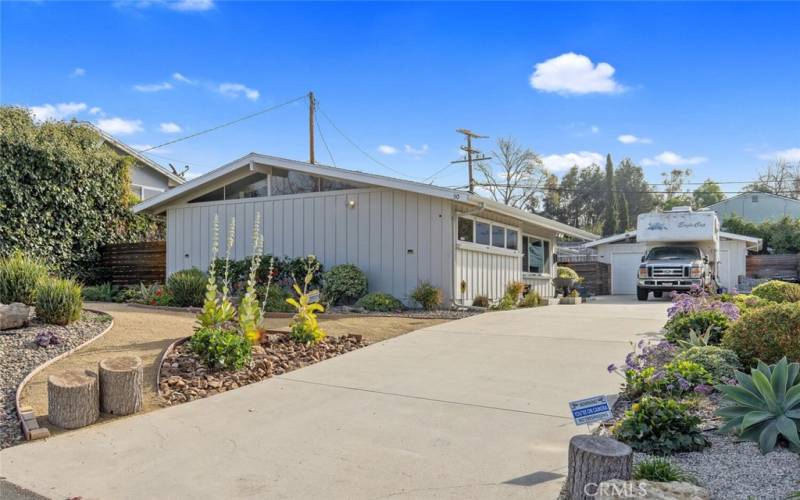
x=764, y=405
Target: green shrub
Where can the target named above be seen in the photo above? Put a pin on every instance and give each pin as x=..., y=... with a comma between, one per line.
x=187, y=287
x=660, y=470
x=765, y=405
x=719, y=362
x=481, y=301
x=64, y=193
x=305, y=327
x=767, y=333
x=19, y=276
x=506, y=303
x=532, y=299
x=745, y=302
x=778, y=291
x=58, y=301
x=225, y=349
x=427, y=296
x=674, y=379
x=276, y=299
x=154, y=295
x=660, y=427
x=566, y=273
x=99, y=293
x=679, y=326
x=379, y=301
x=345, y=284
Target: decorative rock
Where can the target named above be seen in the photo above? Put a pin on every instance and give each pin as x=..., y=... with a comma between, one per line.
x=73, y=399
x=650, y=490
x=14, y=315
x=592, y=460
x=121, y=389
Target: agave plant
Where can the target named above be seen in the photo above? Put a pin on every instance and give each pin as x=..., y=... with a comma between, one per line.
x=765, y=405
x=696, y=340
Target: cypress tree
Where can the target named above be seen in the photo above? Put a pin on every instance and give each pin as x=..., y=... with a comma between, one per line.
x=610, y=223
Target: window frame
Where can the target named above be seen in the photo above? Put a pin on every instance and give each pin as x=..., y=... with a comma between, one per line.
x=490, y=246
x=548, y=258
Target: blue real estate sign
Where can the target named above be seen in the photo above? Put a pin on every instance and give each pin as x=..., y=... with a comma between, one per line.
x=590, y=410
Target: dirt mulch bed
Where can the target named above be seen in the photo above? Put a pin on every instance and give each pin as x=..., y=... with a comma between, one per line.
x=20, y=355
x=186, y=377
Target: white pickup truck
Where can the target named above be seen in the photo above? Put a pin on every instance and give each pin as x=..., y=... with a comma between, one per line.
x=682, y=250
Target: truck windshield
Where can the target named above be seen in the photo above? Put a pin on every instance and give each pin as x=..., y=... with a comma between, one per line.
x=673, y=253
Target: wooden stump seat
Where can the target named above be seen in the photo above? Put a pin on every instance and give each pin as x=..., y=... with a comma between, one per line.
x=73, y=399
x=121, y=387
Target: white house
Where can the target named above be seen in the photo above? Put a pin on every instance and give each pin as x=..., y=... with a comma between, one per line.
x=757, y=207
x=624, y=254
x=398, y=232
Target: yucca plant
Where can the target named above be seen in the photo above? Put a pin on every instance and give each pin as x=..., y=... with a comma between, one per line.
x=19, y=277
x=765, y=405
x=58, y=301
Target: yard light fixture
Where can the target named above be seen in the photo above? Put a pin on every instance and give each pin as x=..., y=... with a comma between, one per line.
x=351, y=203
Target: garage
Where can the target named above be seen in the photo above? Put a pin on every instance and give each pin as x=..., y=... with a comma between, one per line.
x=624, y=255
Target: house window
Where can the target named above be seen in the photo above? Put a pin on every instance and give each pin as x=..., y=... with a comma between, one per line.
x=481, y=233
x=336, y=185
x=498, y=236
x=755, y=198
x=511, y=239
x=536, y=255
x=466, y=229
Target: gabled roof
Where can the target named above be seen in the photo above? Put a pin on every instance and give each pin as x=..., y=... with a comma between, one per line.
x=139, y=156
x=751, y=193
x=752, y=243
x=158, y=203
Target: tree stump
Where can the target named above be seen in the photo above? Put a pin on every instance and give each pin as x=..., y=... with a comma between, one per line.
x=592, y=460
x=73, y=399
x=121, y=389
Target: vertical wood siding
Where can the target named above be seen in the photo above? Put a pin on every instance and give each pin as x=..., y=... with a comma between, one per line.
x=398, y=239
x=485, y=272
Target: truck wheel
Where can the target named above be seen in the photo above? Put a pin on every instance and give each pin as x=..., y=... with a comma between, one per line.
x=658, y=295
x=642, y=293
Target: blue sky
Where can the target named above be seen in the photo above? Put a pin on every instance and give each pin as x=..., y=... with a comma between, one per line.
x=710, y=86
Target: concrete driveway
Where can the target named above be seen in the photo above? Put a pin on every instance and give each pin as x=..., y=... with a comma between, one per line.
x=475, y=408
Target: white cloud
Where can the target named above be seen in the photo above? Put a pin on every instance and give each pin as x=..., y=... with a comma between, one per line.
x=119, y=126
x=78, y=72
x=178, y=77
x=386, y=149
x=573, y=73
x=416, y=151
x=237, y=90
x=560, y=163
x=57, y=111
x=595, y=129
x=152, y=87
x=791, y=154
x=170, y=128
x=632, y=139
x=95, y=111
x=191, y=5
x=673, y=160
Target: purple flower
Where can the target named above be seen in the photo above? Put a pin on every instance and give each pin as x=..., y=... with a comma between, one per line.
x=611, y=368
x=47, y=339
x=684, y=384
x=659, y=375
x=704, y=389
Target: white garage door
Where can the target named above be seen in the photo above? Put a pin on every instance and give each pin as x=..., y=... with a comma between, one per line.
x=724, y=278
x=624, y=266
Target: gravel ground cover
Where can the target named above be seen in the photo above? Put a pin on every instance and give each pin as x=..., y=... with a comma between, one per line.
x=409, y=313
x=731, y=469
x=186, y=377
x=20, y=355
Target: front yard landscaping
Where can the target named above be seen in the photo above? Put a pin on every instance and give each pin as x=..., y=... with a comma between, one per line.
x=719, y=399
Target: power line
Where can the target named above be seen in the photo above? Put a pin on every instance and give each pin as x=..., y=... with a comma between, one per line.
x=358, y=147
x=324, y=142
x=431, y=177
x=227, y=124
x=621, y=191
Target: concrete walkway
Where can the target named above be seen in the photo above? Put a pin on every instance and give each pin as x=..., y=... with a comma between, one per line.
x=475, y=408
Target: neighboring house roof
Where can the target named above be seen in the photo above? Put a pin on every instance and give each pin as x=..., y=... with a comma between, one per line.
x=751, y=193
x=752, y=243
x=157, y=203
x=139, y=156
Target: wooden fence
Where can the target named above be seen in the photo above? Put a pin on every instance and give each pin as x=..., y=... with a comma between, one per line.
x=134, y=263
x=781, y=266
x=596, y=276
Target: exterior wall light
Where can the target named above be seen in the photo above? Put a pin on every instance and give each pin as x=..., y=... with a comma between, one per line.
x=351, y=203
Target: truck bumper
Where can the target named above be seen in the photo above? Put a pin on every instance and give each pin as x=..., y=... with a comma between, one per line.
x=669, y=283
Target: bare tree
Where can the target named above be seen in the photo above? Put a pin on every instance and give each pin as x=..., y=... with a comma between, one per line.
x=515, y=175
x=781, y=177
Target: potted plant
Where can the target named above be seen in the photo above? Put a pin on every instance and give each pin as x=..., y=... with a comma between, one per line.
x=572, y=298
x=565, y=279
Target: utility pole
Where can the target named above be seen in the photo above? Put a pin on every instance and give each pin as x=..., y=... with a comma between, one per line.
x=470, y=151
x=311, y=106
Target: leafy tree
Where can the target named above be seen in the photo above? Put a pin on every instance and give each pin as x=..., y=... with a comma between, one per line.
x=610, y=223
x=707, y=194
x=636, y=194
x=779, y=236
x=514, y=176
x=63, y=193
